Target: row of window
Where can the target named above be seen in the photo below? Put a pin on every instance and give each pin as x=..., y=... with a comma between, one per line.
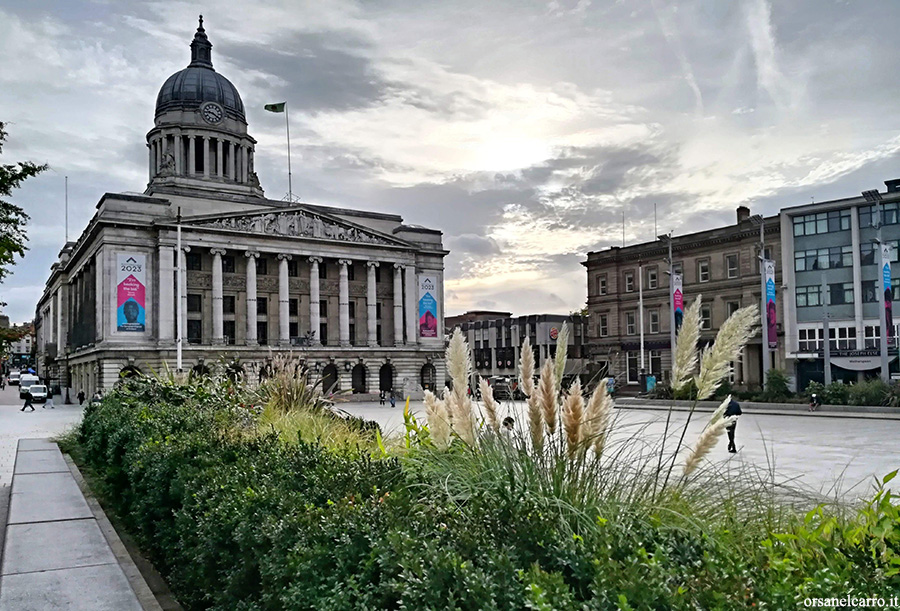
x=842, y=293
x=194, y=262
x=840, y=256
x=651, y=274
x=195, y=332
x=839, y=220
x=653, y=319
x=195, y=304
x=840, y=338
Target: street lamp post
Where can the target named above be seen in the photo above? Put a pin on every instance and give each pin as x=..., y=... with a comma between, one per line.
x=874, y=198
x=763, y=314
x=668, y=238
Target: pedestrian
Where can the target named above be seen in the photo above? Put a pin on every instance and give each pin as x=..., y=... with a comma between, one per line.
x=29, y=401
x=732, y=411
x=98, y=396
x=49, y=401
x=508, y=429
x=814, y=402
x=2, y=382
x=393, y=400
x=80, y=397
x=381, y=398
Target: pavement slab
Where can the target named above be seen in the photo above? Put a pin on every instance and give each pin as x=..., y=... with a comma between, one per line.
x=40, y=461
x=27, y=445
x=44, y=497
x=90, y=588
x=47, y=546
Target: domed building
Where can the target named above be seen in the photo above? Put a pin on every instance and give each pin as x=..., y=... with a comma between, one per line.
x=356, y=295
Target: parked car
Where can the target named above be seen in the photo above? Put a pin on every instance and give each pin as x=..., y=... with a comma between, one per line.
x=38, y=392
x=501, y=388
x=14, y=378
x=26, y=380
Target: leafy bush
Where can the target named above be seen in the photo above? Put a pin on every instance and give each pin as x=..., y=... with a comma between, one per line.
x=869, y=392
x=777, y=388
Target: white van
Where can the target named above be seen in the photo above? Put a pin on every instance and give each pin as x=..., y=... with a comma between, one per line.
x=26, y=380
x=38, y=393
x=14, y=378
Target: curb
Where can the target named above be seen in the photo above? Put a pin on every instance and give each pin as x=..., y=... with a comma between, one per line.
x=769, y=409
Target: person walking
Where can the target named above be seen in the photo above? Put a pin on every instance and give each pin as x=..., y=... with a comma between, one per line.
x=29, y=401
x=733, y=409
x=81, y=397
x=393, y=400
x=49, y=401
x=381, y=398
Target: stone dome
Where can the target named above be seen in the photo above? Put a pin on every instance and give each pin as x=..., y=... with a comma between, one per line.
x=199, y=83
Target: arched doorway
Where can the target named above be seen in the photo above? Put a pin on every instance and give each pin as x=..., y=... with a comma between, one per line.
x=330, y=379
x=358, y=378
x=386, y=378
x=428, y=377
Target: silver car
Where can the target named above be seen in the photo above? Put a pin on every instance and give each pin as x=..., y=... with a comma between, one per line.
x=38, y=392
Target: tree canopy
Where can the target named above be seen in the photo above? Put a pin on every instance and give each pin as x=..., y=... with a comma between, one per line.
x=12, y=217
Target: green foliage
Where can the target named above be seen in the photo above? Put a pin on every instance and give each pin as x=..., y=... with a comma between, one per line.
x=238, y=519
x=869, y=392
x=12, y=217
x=777, y=388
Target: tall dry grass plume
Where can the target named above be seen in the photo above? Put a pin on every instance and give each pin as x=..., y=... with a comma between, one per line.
x=459, y=365
x=716, y=361
x=490, y=406
x=547, y=393
x=559, y=361
x=686, y=346
x=526, y=368
x=535, y=422
x=597, y=417
x=708, y=438
x=288, y=388
x=438, y=420
x=572, y=417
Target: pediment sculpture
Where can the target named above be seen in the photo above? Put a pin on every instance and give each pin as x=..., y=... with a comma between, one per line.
x=295, y=224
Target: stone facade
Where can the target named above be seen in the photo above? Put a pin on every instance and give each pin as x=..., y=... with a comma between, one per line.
x=720, y=264
x=338, y=288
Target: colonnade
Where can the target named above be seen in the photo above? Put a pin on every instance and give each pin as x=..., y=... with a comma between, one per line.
x=222, y=157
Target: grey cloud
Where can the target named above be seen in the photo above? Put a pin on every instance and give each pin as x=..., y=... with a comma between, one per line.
x=472, y=244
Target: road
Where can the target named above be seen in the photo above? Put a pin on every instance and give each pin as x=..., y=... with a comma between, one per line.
x=824, y=455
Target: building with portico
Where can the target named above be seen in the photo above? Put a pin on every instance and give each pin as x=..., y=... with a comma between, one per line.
x=356, y=295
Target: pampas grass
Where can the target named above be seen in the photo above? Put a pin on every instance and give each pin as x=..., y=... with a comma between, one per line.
x=459, y=405
x=535, y=423
x=572, y=417
x=708, y=438
x=438, y=420
x=547, y=394
x=716, y=361
x=559, y=361
x=686, y=346
x=490, y=406
x=597, y=417
x=526, y=368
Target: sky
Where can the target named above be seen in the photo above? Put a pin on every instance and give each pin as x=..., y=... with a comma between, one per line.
x=522, y=130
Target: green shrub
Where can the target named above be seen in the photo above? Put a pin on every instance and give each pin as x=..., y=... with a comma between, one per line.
x=777, y=388
x=869, y=392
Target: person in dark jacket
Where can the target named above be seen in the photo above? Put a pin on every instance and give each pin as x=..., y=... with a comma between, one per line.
x=29, y=401
x=81, y=397
x=733, y=409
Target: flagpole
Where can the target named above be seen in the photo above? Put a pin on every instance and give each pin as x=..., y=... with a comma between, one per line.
x=287, y=125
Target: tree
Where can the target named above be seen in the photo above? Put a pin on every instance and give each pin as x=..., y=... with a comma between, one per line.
x=12, y=217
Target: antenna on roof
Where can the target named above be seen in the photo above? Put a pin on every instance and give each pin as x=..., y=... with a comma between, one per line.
x=67, y=209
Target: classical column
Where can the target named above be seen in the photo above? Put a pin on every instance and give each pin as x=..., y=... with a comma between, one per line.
x=206, y=156
x=344, y=303
x=182, y=265
x=314, y=319
x=371, y=310
x=284, y=310
x=398, y=305
x=166, y=328
x=411, y=306
x=232, y=164
x=251, y=297
x=220, y=167
x=150, y=161
x=176, y=139
x=158, y=148
x=218, y=312
x=245, y=176
x=192, y=155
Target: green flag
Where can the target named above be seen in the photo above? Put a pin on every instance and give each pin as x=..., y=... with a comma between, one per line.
x=276, y=107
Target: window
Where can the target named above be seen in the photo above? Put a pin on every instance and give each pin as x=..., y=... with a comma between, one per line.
x=293, y=269
x=601, y=284
x=323, y=309
x=731, y=307
x=872, y=336
x=323, y=271
x=840, y=293
x=228, y=264
x=262, y=332
x=822, y=222
x=378, y=275
x=703, y=270
x=895, y=289
x=678, y=267
x=632, y=367
x=706, y=317
x=652, y=277
x=323, y=333
x=654, y=320
x=603, y=325
x=228, y=331
x=262, y=266
x=262, y=306
x=656, y=363
x=810, y=339
x=629, y=282
x=293, y=307
x=378, y=309
x=194, y=303
x=630, y=326
x=194, y=331
x=823, y=258
x=842, y=338
x=731, y=265
x=890, y=214
x=294, y=329
x=352, y=333
x=808, y=296
x=869, y=291
x=228, y=304
x=351, y=271
x=351, y=309
x=194, y=261
x=869, y=252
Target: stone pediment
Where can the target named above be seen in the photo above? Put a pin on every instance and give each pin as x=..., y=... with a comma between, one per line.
x=296, y=223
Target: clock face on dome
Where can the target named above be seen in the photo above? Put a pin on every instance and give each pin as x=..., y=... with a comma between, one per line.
x=212, y=112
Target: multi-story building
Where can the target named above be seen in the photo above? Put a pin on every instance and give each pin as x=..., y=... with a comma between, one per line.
x=357, y=295
x=832, y=244
x=720, y=264
x=496, y=338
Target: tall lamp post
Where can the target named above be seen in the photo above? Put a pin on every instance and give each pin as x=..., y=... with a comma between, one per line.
x=668, y=238
x=763, y=314
x=884, y=280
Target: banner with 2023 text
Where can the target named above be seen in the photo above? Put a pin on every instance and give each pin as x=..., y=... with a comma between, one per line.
x=131, y=291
